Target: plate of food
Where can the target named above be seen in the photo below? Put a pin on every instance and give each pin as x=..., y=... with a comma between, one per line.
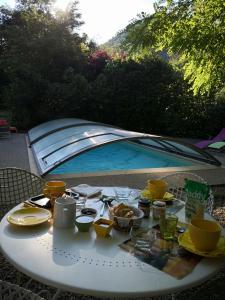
x=29, y=216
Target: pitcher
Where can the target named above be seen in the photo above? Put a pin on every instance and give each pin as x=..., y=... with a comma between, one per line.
x=64, y=212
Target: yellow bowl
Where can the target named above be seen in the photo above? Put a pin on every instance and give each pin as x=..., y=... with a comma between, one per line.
x=103, y=227
x=157, y=188
x=54, y=188
x=204, y=234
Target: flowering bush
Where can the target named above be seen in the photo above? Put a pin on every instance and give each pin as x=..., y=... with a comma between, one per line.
x=98, y=60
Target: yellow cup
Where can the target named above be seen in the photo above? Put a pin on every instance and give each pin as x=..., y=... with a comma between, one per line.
x=157, y=188
x=54, y=189
x=204, y=234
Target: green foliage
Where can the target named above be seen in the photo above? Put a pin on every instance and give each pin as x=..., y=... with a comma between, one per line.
x=140, y=96
x=193, y=29
x=67, y=98
x=47, y=71
x=36, y=49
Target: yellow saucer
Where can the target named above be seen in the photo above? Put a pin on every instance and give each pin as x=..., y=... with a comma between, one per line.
x=185, y=241
x=29, y=216
x=167, y=197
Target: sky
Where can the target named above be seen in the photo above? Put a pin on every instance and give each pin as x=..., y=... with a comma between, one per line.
x=104, y=18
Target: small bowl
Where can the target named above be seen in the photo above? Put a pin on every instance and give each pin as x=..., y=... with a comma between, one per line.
x=84, y=223
x=103, y=227
x=204, y=234
x=89, y=211
x=125, y=224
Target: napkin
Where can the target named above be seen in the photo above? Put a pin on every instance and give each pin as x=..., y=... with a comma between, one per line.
x=86, y=190
x=168, y=196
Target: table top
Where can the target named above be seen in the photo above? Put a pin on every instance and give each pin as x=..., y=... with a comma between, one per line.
x=83, y=263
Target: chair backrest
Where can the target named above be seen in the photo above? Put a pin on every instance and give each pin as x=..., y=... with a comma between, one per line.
x=4, y=128
x=176, y=182
x=16, y=186
x=9, y=291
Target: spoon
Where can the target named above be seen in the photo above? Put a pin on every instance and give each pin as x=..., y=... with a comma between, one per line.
x=106, y=201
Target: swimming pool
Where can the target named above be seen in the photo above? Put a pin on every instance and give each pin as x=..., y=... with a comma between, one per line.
x=75, y=146
x=119, y=156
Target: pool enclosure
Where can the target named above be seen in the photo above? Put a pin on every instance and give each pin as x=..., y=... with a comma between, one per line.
x=55, y=142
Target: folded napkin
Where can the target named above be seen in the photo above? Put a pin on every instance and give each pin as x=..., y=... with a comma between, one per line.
x=168, y=196
x=86, y=190
x=38, y=201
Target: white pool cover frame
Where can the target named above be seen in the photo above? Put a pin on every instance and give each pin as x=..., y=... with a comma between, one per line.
x=57, y=141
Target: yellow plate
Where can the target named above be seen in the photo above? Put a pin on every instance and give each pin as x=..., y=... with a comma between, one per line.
x=167, y=197
x=29, y=216
x=185, y=241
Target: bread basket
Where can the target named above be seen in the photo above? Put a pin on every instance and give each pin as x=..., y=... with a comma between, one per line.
x=123, y=223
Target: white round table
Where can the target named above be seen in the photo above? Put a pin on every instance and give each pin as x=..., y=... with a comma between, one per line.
x=82, y=263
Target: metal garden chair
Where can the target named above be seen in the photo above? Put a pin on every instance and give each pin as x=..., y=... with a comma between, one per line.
x=176, y=182
x=4, y=128
x=16, y=186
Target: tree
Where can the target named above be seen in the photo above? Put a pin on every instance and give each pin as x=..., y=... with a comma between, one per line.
x=37, y=47
x=191, y=29
x=142, y=96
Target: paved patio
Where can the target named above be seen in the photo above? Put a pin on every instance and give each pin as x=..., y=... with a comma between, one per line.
x=13, y=152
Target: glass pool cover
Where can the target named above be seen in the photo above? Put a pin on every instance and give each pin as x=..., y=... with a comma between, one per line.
x=119, y=156
x=56, y=142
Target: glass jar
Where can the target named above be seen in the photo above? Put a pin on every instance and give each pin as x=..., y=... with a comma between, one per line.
x=158, y=209
x=144, y=205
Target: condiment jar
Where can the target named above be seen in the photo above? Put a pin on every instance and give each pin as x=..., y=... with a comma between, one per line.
x=158, y=209
x=144, y=205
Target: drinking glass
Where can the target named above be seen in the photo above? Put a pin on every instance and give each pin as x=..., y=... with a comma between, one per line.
x=122, y=193
x=133, y=196
x=80, y=203
x=140, y=239
x=153, y=235
x=168, y=225
x=134, y=233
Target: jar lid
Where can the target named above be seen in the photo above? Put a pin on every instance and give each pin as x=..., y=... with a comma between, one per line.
x=159, y=203
x=144, y=202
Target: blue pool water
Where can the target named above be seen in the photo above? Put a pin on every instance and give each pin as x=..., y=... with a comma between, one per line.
x=119, y=156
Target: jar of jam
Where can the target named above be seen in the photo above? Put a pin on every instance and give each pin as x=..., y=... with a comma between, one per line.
x=158, y=209
x=144, y=205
